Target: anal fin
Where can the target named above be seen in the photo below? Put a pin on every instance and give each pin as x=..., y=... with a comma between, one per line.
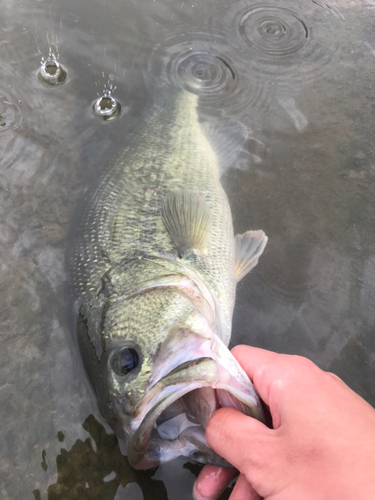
x=187, y=219
x=249, y=247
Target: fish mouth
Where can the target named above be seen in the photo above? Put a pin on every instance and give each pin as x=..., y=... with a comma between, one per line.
x=173, y=416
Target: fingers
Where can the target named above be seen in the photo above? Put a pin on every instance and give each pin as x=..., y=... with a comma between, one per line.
x=254, y=359
x=211, y=482
x=273, y=373
x=243, y=441
x=243, y=490
x=260, y=366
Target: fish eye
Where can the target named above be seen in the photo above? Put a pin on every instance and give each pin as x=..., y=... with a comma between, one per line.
x=125, y=361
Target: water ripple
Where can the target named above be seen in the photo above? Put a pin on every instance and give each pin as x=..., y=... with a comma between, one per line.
x=203, y=64
x=203, y=73
x=11, y=119
x=10, y=114
x=273, y=32
x=288, y=42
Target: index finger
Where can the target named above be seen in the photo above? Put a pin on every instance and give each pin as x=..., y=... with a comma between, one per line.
x=271, y=372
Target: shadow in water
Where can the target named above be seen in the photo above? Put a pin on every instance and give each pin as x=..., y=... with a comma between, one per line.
x=81, y=469
x=103, y=473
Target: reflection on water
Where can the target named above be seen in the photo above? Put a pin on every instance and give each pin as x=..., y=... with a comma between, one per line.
x=95, y=468
x=278, y=78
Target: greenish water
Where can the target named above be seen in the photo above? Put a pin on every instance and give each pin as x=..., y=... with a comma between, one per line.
x=296, y=80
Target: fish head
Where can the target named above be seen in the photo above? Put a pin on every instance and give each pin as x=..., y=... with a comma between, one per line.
x=163, y=372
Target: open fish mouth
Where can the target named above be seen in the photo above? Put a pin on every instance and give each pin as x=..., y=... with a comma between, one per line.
x=174, y=414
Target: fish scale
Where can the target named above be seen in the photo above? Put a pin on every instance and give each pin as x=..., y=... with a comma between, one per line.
x=119, y=219
x=155, y=265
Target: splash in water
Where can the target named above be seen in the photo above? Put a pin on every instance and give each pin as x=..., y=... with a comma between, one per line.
x=51, y=71
x=106, y=106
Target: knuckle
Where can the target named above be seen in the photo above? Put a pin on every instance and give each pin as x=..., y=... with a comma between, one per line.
x=300, y=363
x=335, y=377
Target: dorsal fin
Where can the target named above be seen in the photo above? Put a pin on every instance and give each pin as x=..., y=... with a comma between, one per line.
x=249, y=247
x=187, y=219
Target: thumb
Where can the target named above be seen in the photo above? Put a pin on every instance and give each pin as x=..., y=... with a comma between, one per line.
x=243, y=441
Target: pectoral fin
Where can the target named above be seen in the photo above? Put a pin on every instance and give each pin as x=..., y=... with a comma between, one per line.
x=249, y=247
x=187, y=219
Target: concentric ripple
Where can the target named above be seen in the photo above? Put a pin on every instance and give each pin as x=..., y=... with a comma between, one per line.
x=203, y=73
x=203, y=64
x=288, y=41
x=229, y=101
x=274, y=31
x=10, y=122
x=10, y=114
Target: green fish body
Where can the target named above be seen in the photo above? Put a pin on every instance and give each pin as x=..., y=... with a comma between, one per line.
x=155, y=267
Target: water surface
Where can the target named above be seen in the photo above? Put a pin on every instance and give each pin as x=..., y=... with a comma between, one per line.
x=289, y=81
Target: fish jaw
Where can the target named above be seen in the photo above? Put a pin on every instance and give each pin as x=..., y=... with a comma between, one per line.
x=200, y=386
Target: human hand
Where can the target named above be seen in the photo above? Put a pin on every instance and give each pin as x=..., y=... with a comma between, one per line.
x=321, y=447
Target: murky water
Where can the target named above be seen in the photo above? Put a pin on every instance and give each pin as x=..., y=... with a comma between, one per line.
x=294, y=79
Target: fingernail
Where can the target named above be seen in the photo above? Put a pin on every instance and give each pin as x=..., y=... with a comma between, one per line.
x=197, y=495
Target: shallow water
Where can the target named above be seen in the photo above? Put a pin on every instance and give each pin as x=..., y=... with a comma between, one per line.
x=292, y=79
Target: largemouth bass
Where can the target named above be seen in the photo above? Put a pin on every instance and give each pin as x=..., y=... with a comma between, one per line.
x=155, y=266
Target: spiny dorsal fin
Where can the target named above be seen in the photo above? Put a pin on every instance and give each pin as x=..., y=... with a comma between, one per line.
x=249, y=247
x=187, y=219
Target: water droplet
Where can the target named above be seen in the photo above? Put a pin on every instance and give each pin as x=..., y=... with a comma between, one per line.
x=51, y=72
x=106, y=107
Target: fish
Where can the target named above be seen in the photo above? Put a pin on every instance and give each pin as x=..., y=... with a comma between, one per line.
x=154, y=265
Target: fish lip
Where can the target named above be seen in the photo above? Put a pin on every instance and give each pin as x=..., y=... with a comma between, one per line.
x=162, y=395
